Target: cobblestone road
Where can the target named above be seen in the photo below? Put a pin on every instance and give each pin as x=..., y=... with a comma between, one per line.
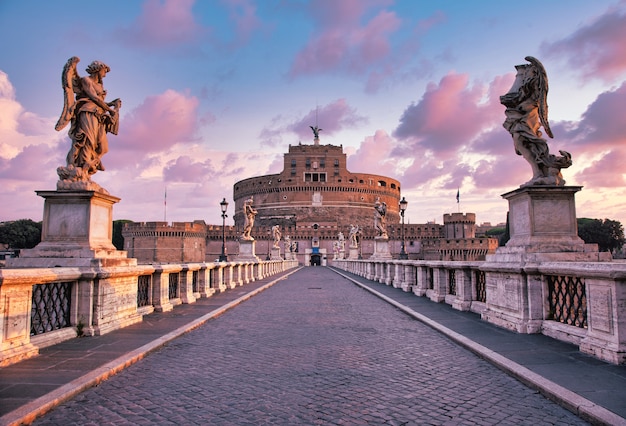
x=316, y=350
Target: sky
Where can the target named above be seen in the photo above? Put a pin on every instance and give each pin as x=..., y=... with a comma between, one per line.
x=215, y=91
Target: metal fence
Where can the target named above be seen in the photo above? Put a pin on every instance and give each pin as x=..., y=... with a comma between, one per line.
x=51, y=305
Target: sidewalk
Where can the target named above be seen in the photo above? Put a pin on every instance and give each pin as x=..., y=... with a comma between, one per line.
x=32, y=387
x=593, y=389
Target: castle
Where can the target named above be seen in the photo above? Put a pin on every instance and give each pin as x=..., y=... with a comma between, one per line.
x=313, y=199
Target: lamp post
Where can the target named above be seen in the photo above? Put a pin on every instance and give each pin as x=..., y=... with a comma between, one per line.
x=403, y=204
x=224, y=206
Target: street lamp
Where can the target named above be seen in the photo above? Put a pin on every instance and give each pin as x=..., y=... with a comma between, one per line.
x=224, y=206
x=403, y=204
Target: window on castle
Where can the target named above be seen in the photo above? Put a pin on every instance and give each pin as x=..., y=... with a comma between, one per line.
x=336, y=163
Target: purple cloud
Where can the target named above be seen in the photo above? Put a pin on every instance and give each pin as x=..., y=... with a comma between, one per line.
x=596, y=50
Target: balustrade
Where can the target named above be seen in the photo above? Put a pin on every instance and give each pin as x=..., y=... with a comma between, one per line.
x=44, y=306
x=583, y=303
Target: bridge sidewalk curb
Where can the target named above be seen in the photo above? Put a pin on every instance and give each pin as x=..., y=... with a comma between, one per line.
x=27, y=413
x=582, y=407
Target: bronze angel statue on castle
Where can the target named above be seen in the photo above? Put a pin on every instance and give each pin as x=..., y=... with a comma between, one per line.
x=90, y=118
x=526, y=111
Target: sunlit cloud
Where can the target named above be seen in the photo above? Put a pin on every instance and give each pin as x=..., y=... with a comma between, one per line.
x=335, y=116
x=161, y=24
x=596, y=50
x=342, y=41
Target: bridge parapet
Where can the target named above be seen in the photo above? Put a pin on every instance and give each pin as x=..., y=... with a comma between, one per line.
x=44, y=306
x=583, y=303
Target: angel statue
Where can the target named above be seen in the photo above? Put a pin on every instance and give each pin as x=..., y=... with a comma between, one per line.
x=91, y=119
x=380, y=211
x=316, y=132
x=249, y=214
x=354, y=236
x=526, y=111
x=277, y=234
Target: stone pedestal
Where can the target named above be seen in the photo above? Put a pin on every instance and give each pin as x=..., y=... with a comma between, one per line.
x=77, y=231
x=354, y=253
x=247, y=251
x=275, y=254
x=381, y=248
x=543, y=229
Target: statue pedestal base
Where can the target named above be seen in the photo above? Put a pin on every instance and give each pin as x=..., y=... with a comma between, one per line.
x=542, y=223
x=77, y=231
x=275, y=254
x=543, y=228
x=354, y=253
x=381, y=248
x=246, y=251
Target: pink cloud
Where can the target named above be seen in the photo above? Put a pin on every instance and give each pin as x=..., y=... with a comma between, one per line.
x=332, y=118
x=163, y=23
x=160, y=122
x=372, y=155
x=342, y=41
x=602, y=124
x=243, y=14
x=184, y=169
x=597, y=50
x=451, y=114
x=607, y=171
x=33, y=163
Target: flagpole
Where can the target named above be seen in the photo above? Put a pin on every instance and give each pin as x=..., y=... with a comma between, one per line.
x=458, y=200
x=165, y=206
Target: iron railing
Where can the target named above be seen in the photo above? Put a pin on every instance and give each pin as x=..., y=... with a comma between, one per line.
x=452, y=281
x=567, y=300
x=50, y=309
x=143, y=290
x=194, y=282
x=173, y=287
x=481, y=286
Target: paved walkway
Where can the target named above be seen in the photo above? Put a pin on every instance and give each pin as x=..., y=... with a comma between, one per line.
x=312, y=348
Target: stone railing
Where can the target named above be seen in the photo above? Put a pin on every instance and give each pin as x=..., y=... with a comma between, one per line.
x=583, y=303
x=43, y=306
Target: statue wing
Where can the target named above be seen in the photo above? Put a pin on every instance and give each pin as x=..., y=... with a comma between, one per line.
x=542, y=77
x=70, y=82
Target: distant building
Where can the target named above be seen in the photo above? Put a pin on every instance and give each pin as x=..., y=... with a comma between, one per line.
x=313, y=199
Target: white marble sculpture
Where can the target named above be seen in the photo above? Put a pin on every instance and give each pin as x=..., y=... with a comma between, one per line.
x=354, y=236
x=527, y=111
x=380, y=211
x=277, y=235
x=91, y=118
x=249, y=213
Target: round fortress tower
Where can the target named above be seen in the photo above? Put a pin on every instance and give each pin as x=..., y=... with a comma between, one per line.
x=316, y=188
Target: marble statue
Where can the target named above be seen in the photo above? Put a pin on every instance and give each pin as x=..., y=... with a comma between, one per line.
x=527, y=111
x=380, y=211
x=354, y=236
x=277, y=234
x=250, y=213
x=90, y=118
x=341, y=240
x=316, y=131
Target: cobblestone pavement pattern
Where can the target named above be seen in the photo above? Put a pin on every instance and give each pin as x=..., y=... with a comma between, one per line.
x=316, y=350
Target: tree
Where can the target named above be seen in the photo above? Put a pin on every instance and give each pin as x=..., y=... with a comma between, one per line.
x=607, y=234
x=118, y=239
x=20, y=234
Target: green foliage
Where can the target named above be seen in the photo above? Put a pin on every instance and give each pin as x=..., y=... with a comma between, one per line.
x=118, y=240
x=608, y=234
x=20, y=234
